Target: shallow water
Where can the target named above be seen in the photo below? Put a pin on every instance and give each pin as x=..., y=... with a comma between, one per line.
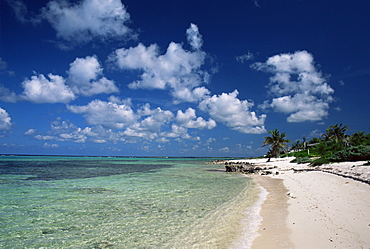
x=75, y=202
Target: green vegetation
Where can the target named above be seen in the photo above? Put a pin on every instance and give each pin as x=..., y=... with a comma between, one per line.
x=356, y=153
x=300, y=160
x=333, y=146
x=277, y=142
x=337, y=134
x=319, y=161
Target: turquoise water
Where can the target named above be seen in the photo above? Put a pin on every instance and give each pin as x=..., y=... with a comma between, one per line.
x=76, y=202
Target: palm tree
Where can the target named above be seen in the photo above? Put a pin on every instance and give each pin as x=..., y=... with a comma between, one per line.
x=296, y=146
x=337, y=133
x=358, y=138
x=277, y=141
x=304, y=143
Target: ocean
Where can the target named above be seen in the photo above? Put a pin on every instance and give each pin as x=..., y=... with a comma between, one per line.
x=101, y=202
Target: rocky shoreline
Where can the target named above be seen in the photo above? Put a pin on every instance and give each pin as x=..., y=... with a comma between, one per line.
x=359, y=170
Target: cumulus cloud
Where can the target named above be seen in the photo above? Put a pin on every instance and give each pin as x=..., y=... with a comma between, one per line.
x=145, y=123
x=88, y=19
x=51, y=89
x=298, y=88
x=178, y=132
x=107, y=114
x=188, y=119
x=85, y=77
x=233, y=112
x=303, y=107
x=194, y=37
x=5, y=120
x=151, y=124
x=178, y=70
x=63, y=131
x=115, y=120
x=66, y=131
x=154, y=124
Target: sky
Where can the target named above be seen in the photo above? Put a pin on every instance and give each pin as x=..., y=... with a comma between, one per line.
x=179, y=78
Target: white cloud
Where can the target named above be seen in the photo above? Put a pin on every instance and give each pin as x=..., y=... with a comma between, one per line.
x=21, y=12
x=85, y=77
x=225, y=149
x=176, y=131
x=211, y=140
x=302, y=107
x=5, y=120
x=162, y=140
x=190, y=95
x=7, y=96
x=256, y=3
x=194, y=37
x=235, y=113
x=188, y=119
x=108, y=117
x=3, y=65
x=178, y=70
x=30, y=132
x=300, y=61
x=4, y=68
x=47, y=145
x=66, y=131
x=81, y=22
x=298, y=88
x=100, y=141
x=245, y=57
x=47, y=90
x=19, y=8
x=46, y=137
x=151, y=125
x=107, y=114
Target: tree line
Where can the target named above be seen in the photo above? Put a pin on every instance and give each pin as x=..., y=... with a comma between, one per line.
x=333, y=145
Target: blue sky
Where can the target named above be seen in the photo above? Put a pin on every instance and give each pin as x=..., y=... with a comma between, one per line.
x=179, y=78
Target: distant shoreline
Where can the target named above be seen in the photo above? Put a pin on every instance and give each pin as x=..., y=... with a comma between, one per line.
x=56, y=155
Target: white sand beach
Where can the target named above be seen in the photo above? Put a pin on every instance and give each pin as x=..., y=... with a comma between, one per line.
x=314, y=209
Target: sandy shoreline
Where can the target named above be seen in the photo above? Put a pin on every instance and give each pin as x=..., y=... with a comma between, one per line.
x=314, y=209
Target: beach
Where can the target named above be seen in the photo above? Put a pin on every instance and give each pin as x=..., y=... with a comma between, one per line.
x=319, y=208
x=82, y=202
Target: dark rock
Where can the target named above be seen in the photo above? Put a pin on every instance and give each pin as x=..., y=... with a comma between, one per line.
x=243, y=167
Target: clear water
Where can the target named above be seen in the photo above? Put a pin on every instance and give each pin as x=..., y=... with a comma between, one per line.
x=76, y=202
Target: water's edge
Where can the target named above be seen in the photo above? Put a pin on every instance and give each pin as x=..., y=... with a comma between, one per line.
x=130, y=203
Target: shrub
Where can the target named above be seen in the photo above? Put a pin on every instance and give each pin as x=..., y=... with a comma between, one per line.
x=357, y=153
x=326, y=148
x=319, y=161
x=300, y=160
x=302, y=153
